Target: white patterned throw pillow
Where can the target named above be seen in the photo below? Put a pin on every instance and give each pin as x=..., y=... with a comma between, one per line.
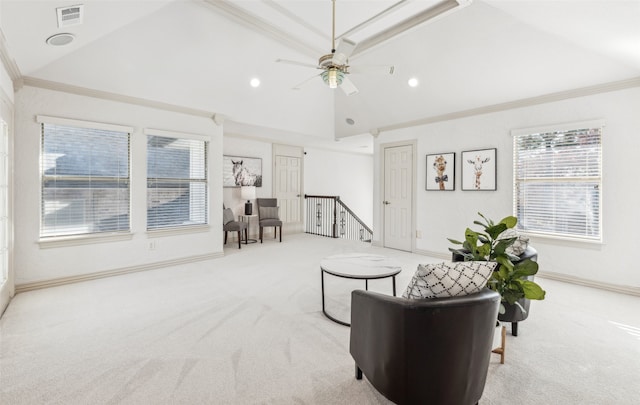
x=449, y=279
x=519, y=246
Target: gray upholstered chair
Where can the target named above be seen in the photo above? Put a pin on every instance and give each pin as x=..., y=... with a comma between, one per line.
x=268, y=215
x=231, y=225
x=424, y=351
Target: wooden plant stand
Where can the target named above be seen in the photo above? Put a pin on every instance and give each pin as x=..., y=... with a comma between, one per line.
x=500, y=350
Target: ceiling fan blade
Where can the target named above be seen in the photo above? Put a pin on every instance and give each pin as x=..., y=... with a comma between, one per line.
x=348, y=87
x=344, y=50
x=293, y=62
x=299, y=85
x=372, y=68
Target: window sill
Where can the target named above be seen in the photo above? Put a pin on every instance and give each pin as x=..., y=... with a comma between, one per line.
x=182, y=230
x=76, y=240
x=564, y=240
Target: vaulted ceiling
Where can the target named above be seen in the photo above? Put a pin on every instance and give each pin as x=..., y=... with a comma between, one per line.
x=202, y=54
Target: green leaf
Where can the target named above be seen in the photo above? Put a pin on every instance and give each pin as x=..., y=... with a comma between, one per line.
x=471, y=236
x=505, y=264
x=484, y=250
x=509, y=221
x=525, y=268
x=488, y=222
x=455, y=242
x=511, y=296
x=532, y=290
x=496, y=230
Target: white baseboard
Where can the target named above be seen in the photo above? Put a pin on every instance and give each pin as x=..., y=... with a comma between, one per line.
x=439, y=255
x=590, y=283
x=115, y=272
x=556, y=276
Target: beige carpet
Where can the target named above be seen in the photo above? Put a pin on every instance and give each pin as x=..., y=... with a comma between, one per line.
x=248, y=329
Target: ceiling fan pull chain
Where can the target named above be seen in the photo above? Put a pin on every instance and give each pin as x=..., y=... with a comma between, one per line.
x=333, y=27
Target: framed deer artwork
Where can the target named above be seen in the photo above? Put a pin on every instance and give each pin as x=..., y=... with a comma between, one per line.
x=479, y=170
x=441, y=172
x=240, y=171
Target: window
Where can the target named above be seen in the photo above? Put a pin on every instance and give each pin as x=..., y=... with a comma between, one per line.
x=558, y=183
x=84, y=170
x=176, y=180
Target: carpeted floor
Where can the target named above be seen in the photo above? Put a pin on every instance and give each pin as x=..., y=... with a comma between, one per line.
x=248, y=329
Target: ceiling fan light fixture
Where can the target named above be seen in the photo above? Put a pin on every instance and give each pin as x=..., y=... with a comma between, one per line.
x=332, y=77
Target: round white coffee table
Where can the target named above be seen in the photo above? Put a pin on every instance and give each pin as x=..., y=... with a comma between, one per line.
x=358, y=266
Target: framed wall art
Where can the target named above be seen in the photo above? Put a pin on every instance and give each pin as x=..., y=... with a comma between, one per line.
x=441, y=172
x=479, y=170
x=241, y=171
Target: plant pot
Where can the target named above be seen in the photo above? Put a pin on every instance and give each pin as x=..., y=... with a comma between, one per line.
x=515, y=314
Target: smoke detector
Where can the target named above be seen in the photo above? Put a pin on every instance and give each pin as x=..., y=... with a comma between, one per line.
x=71, y=15
x=60, y=39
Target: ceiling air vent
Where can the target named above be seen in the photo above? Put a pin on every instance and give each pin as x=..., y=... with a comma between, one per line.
x=71, y=15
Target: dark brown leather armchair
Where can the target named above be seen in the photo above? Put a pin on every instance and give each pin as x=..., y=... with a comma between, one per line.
x=434, y=351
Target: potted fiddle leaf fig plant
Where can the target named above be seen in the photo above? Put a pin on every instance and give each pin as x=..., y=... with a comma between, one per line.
x=513, y=277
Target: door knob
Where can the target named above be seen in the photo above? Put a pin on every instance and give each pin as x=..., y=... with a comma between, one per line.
x=386, y=202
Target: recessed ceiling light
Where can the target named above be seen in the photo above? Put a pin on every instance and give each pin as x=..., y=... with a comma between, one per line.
x=413, y=82
x=60, y=39
x=255, y=82
x=350, y=121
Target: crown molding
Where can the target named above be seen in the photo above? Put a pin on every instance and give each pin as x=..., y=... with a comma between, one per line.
x=526, y=102
x=105, y=95
x=7, y=60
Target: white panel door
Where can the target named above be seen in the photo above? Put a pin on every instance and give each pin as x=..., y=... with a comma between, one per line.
x=397, y=204
x=288, y=176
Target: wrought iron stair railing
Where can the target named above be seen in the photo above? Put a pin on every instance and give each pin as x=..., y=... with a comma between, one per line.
x=330, y=216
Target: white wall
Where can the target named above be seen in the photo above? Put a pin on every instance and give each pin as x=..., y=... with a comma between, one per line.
x=447, y=214
x=239, y=146
x=347, y=175
x=34, y=263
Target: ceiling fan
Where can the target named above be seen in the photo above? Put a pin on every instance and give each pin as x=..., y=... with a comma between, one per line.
x=335, y=65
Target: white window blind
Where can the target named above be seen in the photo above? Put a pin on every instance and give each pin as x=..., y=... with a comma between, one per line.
x=176, y=182
x=85, y=180
x=558, y=183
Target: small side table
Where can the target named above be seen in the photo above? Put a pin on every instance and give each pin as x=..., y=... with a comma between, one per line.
x=358, y=266
x=247, y=219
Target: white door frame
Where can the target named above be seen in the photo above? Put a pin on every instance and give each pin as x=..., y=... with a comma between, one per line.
x=297, y=152
x=7, y=289
x=414, y=147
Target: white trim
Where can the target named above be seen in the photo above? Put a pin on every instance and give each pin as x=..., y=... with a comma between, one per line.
x=414, y=190
x=260, y=25
x=438, y=10
x=82, y=124
x=20, y=288
x=431, y=253
x=105, y=95
x=178, y=230
x=569, y=126
x=77, y=240
x=9, y=63
x=527, y=102
x=176, y=134
x=589, y=283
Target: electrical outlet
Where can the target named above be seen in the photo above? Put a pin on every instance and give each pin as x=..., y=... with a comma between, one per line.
x=419, y=234
x=152, y=245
